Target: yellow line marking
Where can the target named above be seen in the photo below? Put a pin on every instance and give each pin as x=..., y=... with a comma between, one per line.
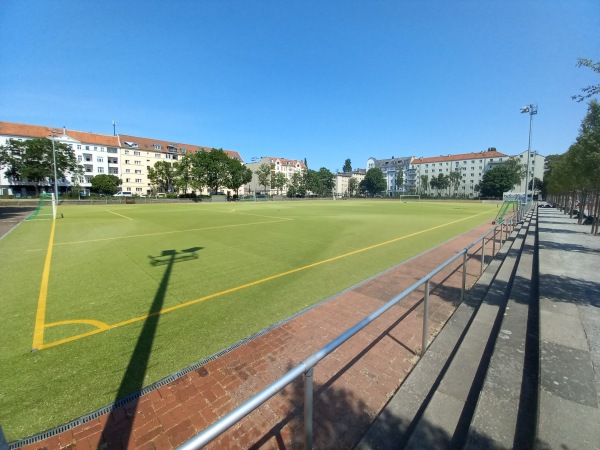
x=95, y=323
x=253, y=283
x=40, y=316
x=171, y=232
x=120, y=215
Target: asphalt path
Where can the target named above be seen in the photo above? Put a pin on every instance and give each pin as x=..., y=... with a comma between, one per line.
x=11, y=216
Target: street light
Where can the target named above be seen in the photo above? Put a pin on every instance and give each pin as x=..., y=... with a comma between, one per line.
x=55, y=177
x=532, y=110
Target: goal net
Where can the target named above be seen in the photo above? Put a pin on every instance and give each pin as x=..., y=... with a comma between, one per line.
x=44, y=204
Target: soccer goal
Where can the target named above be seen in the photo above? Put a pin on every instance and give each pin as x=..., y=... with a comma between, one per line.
x=42, y=202
x=410, y=198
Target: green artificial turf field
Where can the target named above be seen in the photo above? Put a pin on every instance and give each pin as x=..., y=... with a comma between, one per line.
x=153, y=288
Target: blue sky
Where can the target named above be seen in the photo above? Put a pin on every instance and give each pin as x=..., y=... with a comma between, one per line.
x=322, y=80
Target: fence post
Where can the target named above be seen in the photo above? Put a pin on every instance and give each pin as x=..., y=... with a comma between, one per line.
x=482, y=256
x=425, y=318
x=464, y=276
x=308, y=409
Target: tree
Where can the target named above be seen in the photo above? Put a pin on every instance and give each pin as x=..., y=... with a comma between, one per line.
x=210, y=169
x=424, y=184
x=32, y=160
x=107, y=184
x=320, y=183
x=347, y=166
x=443, y=182
x=297, y=185
x=183, y=173
x=592, y=89
x=264, y=175
x=278, y=181
x=399, y=180
x=238, y=175
x=352, y=186
x=374, y=182
x=163, y=176
x=455, y=178
x=498, y=180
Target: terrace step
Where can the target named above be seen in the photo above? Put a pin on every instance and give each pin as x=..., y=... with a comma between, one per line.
x=505, y=414
x=434, y=406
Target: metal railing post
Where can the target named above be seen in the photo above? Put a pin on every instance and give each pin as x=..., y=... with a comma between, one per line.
x=482, y=256
x=494, y=242
x=425, y=318
x=464, y=277
x=308, y=409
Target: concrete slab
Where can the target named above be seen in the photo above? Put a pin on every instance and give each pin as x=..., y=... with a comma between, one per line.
x=568, y=373
x=564, y=330
x=567, y=425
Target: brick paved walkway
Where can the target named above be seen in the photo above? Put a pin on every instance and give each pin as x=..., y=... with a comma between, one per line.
x=351, y=385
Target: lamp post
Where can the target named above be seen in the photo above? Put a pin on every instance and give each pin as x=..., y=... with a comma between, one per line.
x=55, y=177
x=532, y=110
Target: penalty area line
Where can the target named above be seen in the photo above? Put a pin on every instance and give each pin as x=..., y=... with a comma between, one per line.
x=117, y=214
x=253, y=283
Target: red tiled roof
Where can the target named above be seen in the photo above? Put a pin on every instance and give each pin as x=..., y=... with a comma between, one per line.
x=147, y=144
x=39, y=131
x=461, y=156
x=284, y=161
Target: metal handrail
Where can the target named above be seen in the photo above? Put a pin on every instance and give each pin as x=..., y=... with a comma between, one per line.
x=306, y=366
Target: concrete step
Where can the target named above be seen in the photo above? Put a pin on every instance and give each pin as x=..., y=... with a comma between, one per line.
x=426, y=410
x=505, y=413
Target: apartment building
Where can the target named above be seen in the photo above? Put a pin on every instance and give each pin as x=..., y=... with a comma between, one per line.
x=288, y=167
x=342, y=181
x=536, y=163
x=470, y=166
x=393, y=169
x=97, y=154
x=125, y=156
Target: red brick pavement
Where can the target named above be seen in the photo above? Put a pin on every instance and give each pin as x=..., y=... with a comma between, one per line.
x=352, y=384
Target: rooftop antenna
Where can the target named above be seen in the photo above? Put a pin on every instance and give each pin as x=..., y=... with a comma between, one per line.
x=114, y=128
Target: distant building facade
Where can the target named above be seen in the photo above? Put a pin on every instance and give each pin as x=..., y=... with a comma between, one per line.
x=127, y=157
x=288, y=167
x=397, y=172
x=342, y=182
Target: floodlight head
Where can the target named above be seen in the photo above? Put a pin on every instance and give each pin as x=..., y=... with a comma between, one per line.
x=524, y=109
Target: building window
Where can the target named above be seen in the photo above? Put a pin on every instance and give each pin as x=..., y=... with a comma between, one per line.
x=99, y=159
x=127, y=152
x=157, y=155
x=79, y=158
x=139, y=172
x=136, y=153
x=87, y=147
x=127, y=180
x=100, y=169
x=79, y=147
x=137, y=162
x=127, y=170
x=126, y=161
x=138, y=180
x=138, y=189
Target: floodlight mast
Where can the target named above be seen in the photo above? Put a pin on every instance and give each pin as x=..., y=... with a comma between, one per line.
x=54, y=203
x=532, y=110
